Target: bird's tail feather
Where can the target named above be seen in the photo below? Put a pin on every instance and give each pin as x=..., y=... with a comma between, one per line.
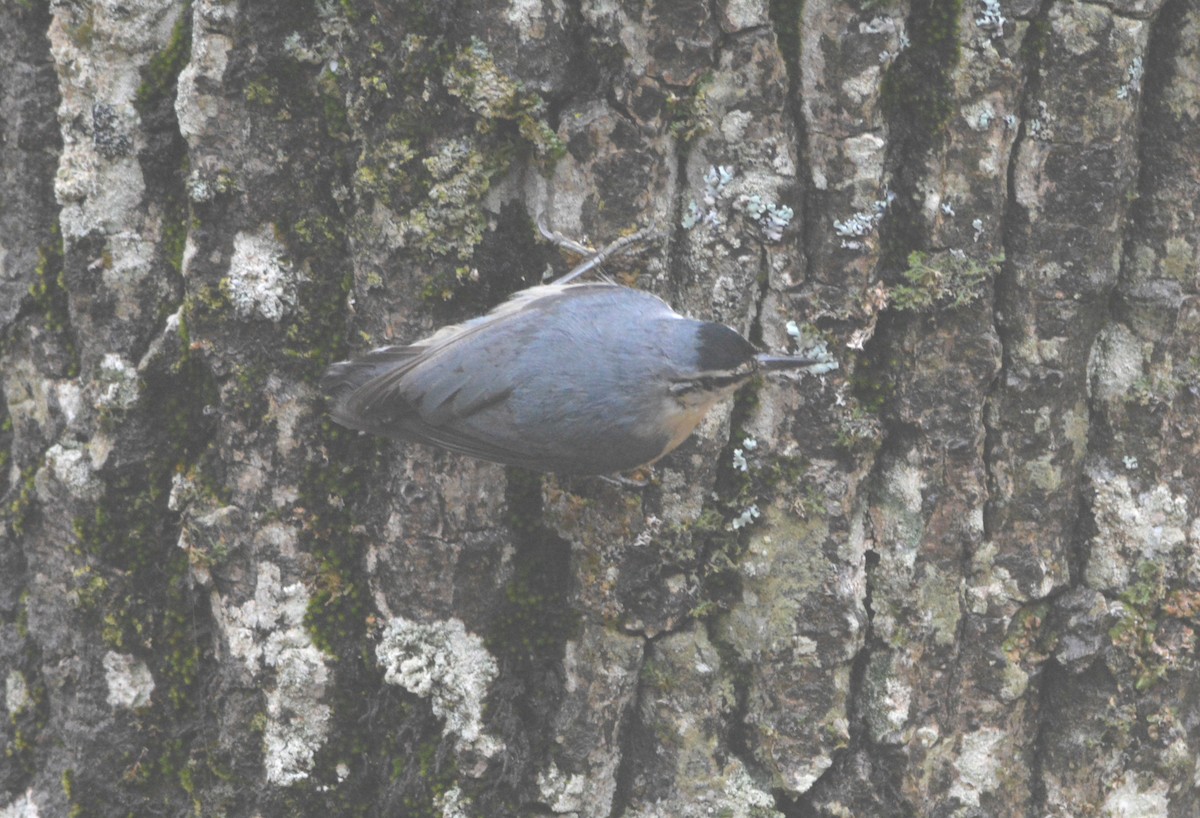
x=342, y=378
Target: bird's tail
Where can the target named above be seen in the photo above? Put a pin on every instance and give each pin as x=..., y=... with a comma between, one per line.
x=340, y=380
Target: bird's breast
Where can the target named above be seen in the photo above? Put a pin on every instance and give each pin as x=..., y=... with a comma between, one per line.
x=681, y=419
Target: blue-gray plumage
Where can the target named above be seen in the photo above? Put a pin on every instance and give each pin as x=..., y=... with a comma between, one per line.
x=572, y=378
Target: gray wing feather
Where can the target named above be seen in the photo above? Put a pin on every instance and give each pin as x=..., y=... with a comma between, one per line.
x=430, y=391
x=439, y=381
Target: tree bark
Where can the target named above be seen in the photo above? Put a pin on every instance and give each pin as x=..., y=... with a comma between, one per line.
x=958, y=576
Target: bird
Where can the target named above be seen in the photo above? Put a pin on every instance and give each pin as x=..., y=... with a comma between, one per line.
x=588, y=378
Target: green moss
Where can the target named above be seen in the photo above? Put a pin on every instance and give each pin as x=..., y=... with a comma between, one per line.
x=28, y=715
x=432, y=161
x=1148, y=589
x=144, y=597
x=91, y=589
x=174, y=240
x=656, y=678
x=202, y=306
x=450, y=220
x=264, y=92
x=691, y=116
x=385, y=169
x=338, y=609
x=316, y=333
x=83, y=33
x=437, y=782
x=1146, y=601
x=1177, y=261
x=50, y=298
x=535, y=618
x=943, y=281
x=333, y=107
x=22, y=505
x=494, y=97
x=339, y=606
x=161, y=74
x=917, y=90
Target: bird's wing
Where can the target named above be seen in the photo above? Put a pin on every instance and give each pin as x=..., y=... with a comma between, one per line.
x=456, y=440
x=439, y=390
x=433, y=400
x=429, y=376
x=344, y=384
x=441, y=380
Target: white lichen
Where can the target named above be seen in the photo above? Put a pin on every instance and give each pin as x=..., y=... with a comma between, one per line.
x=453, y=804
x=739, y=455
x=532, y=18
x=1133, y=76
x=22, y=807
x=183, y=491
x=295, y=46
x=1115, y=364
x=1132, y=529
x=979, y=115
x=16, y=693
x=99, y=181
x=892, y=708
x=716, y=180
x=117, y=383
x=72, y=469
x=297, y=721
x=70, y=399
x=562, y=793
x=739, y=460
x=748, y=515
x=862, y=223
x=978, y=765
x=745, y=799
x=442, y=662
x=1132, y=797
x=990, y=18
x=261, y=280
x=199, y=101
x=268, y=632
x=771, y=217
x=130, y=683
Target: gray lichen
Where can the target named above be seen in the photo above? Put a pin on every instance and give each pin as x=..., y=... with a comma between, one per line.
x=130, y=683
x=261, y=281
x=268, y=633
x=444, y=663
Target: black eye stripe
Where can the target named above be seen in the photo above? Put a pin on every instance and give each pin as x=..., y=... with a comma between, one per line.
x=708, y=383
x=718, y=381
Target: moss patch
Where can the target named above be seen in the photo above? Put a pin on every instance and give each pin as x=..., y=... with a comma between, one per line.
x=50, y=298
x=943, y=280
x=161, y=74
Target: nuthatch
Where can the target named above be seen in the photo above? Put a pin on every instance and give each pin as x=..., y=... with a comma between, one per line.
x=591, y=378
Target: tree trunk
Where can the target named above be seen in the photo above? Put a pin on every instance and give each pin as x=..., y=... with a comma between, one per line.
x=958, y=576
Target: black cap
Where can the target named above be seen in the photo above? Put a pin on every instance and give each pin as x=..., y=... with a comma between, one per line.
x=721, y=349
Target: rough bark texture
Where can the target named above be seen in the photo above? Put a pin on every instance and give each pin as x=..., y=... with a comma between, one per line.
x=959, y=576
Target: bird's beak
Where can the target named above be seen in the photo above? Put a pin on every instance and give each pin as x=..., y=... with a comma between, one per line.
x=816, y=365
